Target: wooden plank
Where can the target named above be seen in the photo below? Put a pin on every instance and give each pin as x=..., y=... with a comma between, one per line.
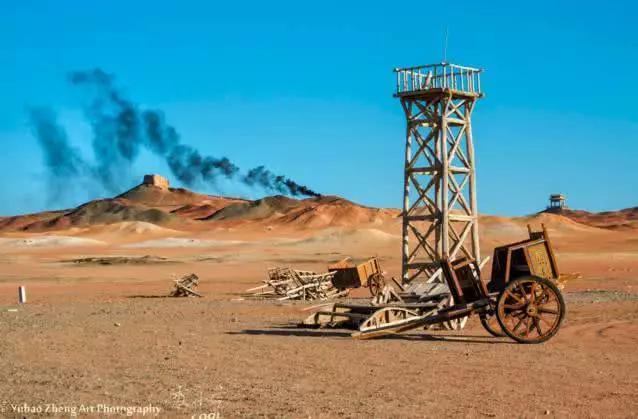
x=188, y=290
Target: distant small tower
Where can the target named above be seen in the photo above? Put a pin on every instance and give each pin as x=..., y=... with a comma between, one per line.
x=156, y=180
x=557, y=202
x=440, y=214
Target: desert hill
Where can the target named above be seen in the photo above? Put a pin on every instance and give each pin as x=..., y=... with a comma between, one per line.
x=613, y=220
x=260, y=209
x=316, y=212
x=102, y=211
x=154, y=203
x=19, y=222
x=166, y=197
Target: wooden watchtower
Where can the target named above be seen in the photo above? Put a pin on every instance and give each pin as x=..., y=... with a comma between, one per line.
x=557, y=202
x=440, y=216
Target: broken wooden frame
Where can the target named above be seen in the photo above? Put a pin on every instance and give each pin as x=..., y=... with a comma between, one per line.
x=285, y=283
x=185, y=286
x=416, y=300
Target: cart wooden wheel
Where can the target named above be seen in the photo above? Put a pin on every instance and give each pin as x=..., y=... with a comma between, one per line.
x=530, y=309
x=490, y=323
x=386, y=316
x=376, y=282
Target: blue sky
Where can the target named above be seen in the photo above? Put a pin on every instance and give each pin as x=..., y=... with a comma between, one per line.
x=306, y=89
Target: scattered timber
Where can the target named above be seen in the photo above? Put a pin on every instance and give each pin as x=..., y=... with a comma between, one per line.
x=285, y=283
x=185, y=286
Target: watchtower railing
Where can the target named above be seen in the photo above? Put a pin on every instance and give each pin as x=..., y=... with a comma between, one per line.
x=438, y=76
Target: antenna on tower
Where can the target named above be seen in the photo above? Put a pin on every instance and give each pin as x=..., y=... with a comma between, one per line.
x=445, y=45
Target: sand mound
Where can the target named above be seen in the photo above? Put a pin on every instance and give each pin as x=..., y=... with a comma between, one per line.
x=337, y=237
x=326, y=212
x=129, y=228
x=256, y=210
x=205, y=210
x=555, y=223
x=49, y=241
x=494, y=226
x=614, y=220
x=195, y=212
x=120, y=260
x=103, y=211
x=19, y=222
x=311, y=213
x=182, y=242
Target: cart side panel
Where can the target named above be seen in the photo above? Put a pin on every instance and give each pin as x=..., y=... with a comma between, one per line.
x=346, y=278
x=463, y=279
x=452, y=281
x=540, y=263
x=367, y=269
x=363, y=272
x=499, y=262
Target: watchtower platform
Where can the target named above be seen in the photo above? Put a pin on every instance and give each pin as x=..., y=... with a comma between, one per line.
x=436, y=79
x=557, y=202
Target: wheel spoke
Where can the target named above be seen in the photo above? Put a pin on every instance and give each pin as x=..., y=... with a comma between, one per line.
x=528, y=326
x=537, y=323
x=543, y=296
x=520, y=321
x=547, y=310
x=532, y=293
x=523, y=293
x=514, y=296
x=519, y=314
x=550, y=325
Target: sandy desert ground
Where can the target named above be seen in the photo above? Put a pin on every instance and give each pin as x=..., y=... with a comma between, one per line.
x=97, y=333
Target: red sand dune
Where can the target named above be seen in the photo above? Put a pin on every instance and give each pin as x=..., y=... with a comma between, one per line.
x=179, y=208
x=319, y=212
x=615, y=220
x=21, y=221
x=103, y=211
x=157, y=197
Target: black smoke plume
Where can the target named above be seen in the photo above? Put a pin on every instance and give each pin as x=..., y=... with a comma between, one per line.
x=61, y=160
x=265, y=178
x=121, y=129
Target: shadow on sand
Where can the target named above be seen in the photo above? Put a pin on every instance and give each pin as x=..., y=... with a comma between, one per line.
x=293, y=330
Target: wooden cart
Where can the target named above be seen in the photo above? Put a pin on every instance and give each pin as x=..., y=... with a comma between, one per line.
x=350, y=274
x=533, y=256
x=522, y=301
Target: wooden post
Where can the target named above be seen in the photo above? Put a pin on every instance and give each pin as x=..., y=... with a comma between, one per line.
x=438, y=246
x=22, y=294
x=473, y=200
x=406, y=194
x=445, y=187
